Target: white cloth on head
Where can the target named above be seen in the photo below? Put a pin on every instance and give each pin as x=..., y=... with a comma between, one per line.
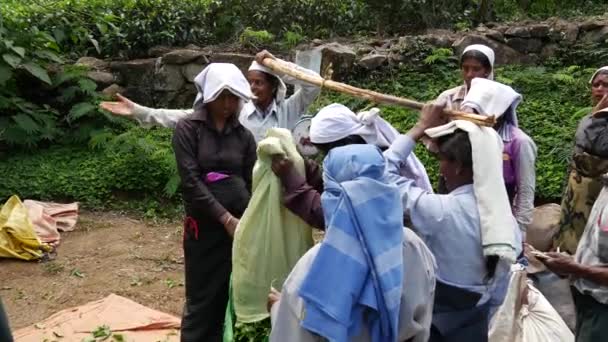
x=336, y=121
x=282, y=88
x=217, y=77
x=498, y=234
x=489, y=97
x=604, y=68
x=487, y=51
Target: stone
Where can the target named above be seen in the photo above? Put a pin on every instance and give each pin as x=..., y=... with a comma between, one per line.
x=193, y=47
x=189, y=71
x=504, y=53
x=438, y=40
x=182, y=56
x=364, y=50
x=395, y=58
x=595, y=36
x=521, y=32
x=539, y=30
x=531, y=45
x=93, y=63
x=340, y=57
x=242, y=61
x=592, y=24
x=169, y=78
x=549, y=50
x=101, y=77
x=112, y=90
x=158, y=51
x=564, y=32
x=373, y=61
x=138, y=72
x=317, y=42
x=496, y=35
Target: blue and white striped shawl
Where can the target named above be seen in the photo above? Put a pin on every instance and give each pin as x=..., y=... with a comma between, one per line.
x=357, y=276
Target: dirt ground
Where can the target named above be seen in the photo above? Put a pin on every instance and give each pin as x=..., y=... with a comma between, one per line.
x=107, y=253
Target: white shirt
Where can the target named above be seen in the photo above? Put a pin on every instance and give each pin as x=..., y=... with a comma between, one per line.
x=415, y=313
x=284, y=114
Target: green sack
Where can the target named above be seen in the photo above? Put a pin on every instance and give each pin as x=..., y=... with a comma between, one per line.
x=270, y=239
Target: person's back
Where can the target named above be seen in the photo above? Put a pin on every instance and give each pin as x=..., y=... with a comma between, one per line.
x=416, y=306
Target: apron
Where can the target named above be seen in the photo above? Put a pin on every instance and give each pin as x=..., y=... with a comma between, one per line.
x=208, y=263
x=456, y=318
x=583, y=188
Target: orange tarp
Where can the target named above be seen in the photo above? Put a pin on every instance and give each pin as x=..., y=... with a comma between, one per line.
x=125, y=317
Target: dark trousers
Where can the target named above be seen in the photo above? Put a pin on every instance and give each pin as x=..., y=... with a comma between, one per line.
x=591, y=318
x=456, y=318
x=207, y=258
x=5, y=329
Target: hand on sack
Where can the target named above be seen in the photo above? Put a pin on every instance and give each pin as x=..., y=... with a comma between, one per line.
x=273, y=297
x=281, y=165
x=259, y=57
x=123, y=107
x=230, y=223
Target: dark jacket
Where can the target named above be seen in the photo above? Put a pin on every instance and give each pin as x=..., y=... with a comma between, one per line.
x=302, y=196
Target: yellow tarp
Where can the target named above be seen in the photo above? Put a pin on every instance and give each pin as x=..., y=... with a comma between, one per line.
x=270, y=239
x=17, y=236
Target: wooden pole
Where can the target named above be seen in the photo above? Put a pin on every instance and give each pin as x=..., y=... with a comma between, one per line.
x=279, y=66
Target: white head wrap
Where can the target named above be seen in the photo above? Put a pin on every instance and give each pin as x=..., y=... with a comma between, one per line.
x=282, y=88
x=336, y=121
x=489, y=97
x=487, y=51
x=217, y=77
x=597, y=72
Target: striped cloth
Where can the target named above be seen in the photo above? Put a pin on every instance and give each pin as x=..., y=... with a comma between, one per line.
x=358, y=272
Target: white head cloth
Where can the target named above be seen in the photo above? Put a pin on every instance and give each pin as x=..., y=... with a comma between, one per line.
x=604, y=68
x=282, y=88
x=336, y=121
x=217, y=77
x=487, y=51
x=498, y=226
x=489, y=97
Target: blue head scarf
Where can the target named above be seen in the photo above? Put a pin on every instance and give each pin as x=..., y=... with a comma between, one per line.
x=358, y=273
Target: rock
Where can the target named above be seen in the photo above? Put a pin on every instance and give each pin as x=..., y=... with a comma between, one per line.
x=136, y=73
x=182, y=56
x=364, y=50
x=341, y=58
x=525, y=45
x=564, y=32
x=101, y=77
x=93, y=63
x=539, y=30
x=112, y=90
x=317, y=42
x=438, y=41
x=192, y=47
x=592, y=24
x=595, y=36
x=373, y=61
x=169, y=78
x=521, y=32
x=242, y=61
x=504, y=53
x=189, y=71
x=158, y=51
x=395, y=58
x=549, y=50
x=496, y=35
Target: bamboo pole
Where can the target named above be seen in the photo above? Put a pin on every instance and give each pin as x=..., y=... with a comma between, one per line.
x=279, y=66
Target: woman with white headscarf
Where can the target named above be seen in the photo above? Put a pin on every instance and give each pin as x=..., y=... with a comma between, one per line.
x=336, y=125
x=270, y=106
x=215, y=155
x=589, y=163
